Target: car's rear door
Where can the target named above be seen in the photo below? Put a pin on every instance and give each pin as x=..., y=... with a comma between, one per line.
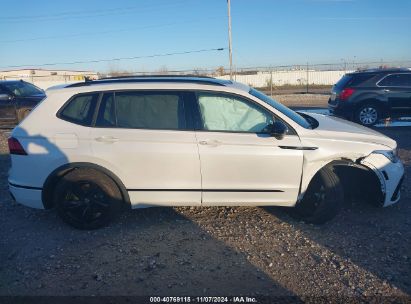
x=145, y=136
x=240, y=164
x=397, y=88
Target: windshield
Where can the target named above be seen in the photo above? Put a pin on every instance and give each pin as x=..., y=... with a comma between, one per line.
x=282, y=108
x=23, y=89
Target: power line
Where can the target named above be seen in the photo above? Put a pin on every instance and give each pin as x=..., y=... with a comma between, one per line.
x=103, y=32
x=115, y=59
x=88, y=14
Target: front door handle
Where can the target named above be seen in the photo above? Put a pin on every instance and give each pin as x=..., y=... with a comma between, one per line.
x=210, y=142
x=107, y=139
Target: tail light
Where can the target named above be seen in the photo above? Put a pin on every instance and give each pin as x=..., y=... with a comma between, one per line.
x=15, y=147
x=346, y=93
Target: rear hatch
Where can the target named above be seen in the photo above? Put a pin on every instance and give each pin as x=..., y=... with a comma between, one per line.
x=348, y=85
x=338, y=87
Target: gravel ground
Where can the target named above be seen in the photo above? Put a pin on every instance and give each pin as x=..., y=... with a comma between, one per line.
x=303, y=100
x=364, y=252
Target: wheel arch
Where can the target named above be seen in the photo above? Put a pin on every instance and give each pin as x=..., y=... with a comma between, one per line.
x=351, y=173
x=377, y=99
x=54, y=176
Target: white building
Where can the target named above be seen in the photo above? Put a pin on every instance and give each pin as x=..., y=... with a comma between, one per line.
x=46, y=78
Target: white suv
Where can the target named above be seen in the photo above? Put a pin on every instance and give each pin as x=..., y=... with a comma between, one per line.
x=90, y=148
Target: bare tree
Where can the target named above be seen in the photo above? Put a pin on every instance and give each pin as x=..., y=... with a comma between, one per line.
x=163, y=70
x=220, y=71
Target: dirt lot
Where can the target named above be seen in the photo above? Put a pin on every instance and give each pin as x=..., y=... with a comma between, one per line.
x=364, y=252
x=303, y=100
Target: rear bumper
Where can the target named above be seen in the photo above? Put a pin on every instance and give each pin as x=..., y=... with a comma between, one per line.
x=27, y=196
x=345, y=111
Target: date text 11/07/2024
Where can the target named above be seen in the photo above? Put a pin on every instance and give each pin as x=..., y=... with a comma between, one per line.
x=240, y=299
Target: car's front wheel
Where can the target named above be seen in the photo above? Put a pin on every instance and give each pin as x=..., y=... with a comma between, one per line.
x=322, y=200
x=87, y=199
x=368, y=115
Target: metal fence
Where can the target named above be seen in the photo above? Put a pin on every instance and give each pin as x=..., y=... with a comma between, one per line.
x=305, y=77
x=46, y=81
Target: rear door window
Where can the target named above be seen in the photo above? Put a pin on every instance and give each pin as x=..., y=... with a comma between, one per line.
x=354, y=80
x=80, y=109
x=142, y=110
x=396, y=80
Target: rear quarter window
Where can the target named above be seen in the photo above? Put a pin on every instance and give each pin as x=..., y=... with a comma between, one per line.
x=354, y=80
x=343, y=81
x=80, y=109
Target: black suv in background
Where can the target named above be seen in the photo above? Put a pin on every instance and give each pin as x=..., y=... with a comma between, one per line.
x=17, y=98
x=367, y=96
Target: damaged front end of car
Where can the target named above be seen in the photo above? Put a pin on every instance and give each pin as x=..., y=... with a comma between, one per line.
x=375, y=178
x=390, y=173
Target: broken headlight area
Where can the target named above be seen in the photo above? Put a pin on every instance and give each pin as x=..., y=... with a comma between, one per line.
x=392, y=155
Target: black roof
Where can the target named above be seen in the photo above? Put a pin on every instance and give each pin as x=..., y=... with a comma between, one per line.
x=11, y=81
x=154, y=78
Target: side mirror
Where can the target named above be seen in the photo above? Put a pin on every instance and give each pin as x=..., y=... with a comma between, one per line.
x=277, y=129
x=5, y=97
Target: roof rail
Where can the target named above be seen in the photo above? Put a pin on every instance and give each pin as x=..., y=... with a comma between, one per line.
x=157, y=76
x=381, y=69
x=140, y=79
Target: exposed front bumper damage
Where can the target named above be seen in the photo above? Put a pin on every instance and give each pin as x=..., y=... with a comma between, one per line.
x=389, y=174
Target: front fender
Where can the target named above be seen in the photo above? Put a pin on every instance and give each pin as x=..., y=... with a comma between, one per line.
x=389, y=174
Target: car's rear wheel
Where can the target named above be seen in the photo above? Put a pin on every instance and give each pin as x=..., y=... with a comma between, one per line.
x=368, y=114
x=87, y=199
x=322, y=200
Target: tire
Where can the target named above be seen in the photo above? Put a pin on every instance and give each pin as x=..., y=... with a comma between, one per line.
x=87, y=199
x=368, y=114
x=22, y=113
x=322, y=200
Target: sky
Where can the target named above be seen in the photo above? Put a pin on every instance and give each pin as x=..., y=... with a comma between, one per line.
x=264, y=33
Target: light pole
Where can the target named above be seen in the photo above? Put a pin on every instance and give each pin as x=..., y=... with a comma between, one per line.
x=229, y=40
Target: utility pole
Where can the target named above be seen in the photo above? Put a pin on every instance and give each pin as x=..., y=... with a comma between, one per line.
x=229, y=40
x=345, y=65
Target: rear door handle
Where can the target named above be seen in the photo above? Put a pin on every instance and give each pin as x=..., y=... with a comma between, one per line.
x=210, y=142
x=107, y=139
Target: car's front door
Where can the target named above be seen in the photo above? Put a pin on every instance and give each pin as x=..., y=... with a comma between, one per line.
x=146, y=136
x=240, y=163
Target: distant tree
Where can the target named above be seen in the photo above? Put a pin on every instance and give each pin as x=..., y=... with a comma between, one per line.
x=220, y=71
x=163, y=70
x=199, y=72
x=118, y=73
